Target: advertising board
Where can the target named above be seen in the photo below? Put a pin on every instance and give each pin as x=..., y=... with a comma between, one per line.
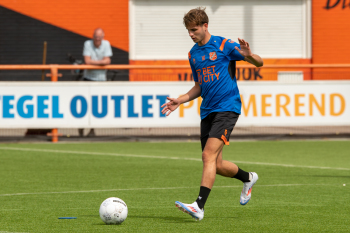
x=137, y=104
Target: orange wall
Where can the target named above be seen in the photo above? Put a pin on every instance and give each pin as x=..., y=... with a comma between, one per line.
x=330, y=37
x=80, y=16
x=330, y=32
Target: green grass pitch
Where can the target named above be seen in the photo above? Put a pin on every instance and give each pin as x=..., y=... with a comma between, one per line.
x=300, y=187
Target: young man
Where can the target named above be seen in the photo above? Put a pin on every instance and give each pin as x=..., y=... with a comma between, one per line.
x=221, y=106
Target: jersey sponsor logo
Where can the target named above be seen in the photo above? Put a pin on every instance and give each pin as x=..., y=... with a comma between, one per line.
x=194, y=61
x=231, y=41
x=203, y=57
x=207, y=74
x=213, y=56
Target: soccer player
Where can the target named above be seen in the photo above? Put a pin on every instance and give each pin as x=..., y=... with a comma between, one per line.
x=221, y=106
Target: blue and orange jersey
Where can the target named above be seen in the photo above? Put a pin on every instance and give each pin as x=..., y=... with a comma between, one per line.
x=209, y=64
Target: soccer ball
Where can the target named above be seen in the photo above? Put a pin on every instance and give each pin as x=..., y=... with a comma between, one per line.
x=113, y=211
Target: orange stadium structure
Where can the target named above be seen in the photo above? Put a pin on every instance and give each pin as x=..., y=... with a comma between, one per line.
x=68, y=27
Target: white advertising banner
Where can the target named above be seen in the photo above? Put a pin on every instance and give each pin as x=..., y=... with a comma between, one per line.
x=137, y=104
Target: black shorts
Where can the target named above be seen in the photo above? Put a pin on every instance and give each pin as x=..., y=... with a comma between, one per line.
x=218, y=125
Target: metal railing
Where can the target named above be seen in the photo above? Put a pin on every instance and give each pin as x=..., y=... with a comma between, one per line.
x=54, y=68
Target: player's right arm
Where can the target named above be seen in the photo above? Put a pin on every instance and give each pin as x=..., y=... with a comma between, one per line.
x=174, y=103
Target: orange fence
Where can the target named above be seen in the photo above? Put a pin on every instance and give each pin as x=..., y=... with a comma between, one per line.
x=269, y=72
x=183, y=72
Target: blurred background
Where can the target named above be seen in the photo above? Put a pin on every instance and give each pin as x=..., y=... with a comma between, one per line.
x=302, y=92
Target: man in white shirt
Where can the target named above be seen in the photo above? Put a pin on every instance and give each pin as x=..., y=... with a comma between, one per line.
x=97, y=52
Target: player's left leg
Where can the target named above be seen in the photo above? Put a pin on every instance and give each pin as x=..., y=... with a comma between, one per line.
x=229, y=169
x=209, y=156
x=225, y=168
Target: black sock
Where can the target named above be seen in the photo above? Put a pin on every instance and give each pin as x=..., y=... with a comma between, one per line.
x=242, y=175
x=203, y=196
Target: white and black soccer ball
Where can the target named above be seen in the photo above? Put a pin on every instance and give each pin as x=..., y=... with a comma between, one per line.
x=113, y=210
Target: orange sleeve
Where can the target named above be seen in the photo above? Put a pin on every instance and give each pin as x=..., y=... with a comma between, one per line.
x=223, y=44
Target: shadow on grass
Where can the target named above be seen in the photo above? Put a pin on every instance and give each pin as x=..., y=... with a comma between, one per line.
x=169, y=219
x=104, y=224
x=91, y=216
x=178, y=219
x=166, y=219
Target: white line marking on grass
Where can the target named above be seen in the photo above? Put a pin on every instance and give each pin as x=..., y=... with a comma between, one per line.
x=164, y=157
x=141, y=189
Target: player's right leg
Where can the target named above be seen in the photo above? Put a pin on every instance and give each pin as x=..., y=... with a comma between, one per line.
x=191, y=209
x=212, y=150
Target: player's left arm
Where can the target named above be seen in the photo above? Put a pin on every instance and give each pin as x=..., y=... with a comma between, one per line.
x=248, y=55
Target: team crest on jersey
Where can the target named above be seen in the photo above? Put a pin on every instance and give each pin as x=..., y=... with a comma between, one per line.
x=194, y=61
x=212, y=56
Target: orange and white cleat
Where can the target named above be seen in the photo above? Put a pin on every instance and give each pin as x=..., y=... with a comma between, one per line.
x=191, y=209
x=247, y=189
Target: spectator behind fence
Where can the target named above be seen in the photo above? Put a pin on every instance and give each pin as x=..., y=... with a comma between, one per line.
x=96, y=52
